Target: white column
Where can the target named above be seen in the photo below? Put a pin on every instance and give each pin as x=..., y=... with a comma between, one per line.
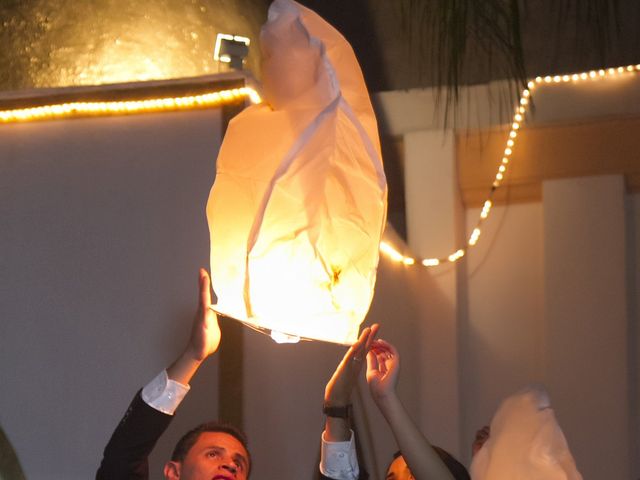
x=586, y=320
x=434, y=224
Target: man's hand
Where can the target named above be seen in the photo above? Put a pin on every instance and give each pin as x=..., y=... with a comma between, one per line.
x=205, y=336
x=383, y=369
x=338, y=390
x=205, y=332
x=337, y=393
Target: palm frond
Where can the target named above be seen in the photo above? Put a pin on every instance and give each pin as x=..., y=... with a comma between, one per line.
x=457, y=35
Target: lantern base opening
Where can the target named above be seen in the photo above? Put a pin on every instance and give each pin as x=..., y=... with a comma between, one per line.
x=277, y=336
x=281, y=335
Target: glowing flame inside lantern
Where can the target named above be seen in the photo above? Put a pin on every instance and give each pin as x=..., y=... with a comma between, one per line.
x=299, y=201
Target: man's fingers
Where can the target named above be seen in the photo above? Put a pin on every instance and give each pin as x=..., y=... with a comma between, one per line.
x=372, y=361
x=205, y=289
x=359, y=348
x=372, y=336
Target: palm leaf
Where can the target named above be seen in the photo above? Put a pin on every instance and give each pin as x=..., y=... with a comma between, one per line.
x=451, y=32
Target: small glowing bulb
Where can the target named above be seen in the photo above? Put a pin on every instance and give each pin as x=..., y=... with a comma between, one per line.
x=575, y=77
x=584, y=76
x=502, y=168
x=391, y=252
x=524, y=101
x=620, y=69
x=630, y=68
x=518, y=117
x=513, y=134
x=508, y=151
x=515, y=126
x=547, y=79
x=474, y=236
x=566, y=78
x=602, y=73
x=457, y=255
x=254, y=96
x=510, y=143
x=408, y=261
x=557, y=78
x=430, y=262
x=499, y=176
x=538, y=79
x=526, y=93
x=505, y=160
x=531, y=85
x=592, y=74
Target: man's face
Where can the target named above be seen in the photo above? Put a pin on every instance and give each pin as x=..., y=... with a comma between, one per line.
x=214, y=456
x=398, y=470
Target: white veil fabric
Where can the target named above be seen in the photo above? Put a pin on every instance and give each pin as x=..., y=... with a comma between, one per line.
x=525, y=442
x=299, y=202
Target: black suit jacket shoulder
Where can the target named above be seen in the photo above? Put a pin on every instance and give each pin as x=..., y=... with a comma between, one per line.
x=126, y=456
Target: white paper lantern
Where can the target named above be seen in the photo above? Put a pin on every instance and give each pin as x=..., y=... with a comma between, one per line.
x=298, y=206
x=525, y=443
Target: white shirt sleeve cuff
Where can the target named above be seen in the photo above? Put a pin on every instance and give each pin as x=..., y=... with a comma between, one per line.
x=338, y=460
x=164, y=394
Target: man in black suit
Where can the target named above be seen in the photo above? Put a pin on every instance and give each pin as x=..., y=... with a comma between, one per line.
x=209, y=451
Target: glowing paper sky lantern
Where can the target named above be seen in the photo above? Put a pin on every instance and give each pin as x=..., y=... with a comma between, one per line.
x=299, y=201
x=526, y=442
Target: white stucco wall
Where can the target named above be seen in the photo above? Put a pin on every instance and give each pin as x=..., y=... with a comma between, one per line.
x=633, y=275
x=503, y=306
x=502, y=346
x=102, y=230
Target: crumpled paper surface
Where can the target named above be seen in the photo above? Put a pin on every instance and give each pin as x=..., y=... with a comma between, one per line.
x=298, y=206
x=525, y=443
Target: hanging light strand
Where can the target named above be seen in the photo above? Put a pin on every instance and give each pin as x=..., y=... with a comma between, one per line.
x=517, y=121
x=127, y=107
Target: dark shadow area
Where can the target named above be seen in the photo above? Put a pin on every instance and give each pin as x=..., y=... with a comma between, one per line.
x=355, y=20
x=392, y=156
x=9, y=464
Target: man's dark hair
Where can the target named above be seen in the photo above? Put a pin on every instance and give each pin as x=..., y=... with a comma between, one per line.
x=458, y=470
x=189, y=439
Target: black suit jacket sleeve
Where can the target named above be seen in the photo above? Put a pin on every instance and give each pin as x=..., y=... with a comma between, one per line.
x=126, y=455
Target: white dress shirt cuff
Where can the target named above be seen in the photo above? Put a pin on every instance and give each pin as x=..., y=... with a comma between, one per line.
x=338, y=460
x=164, y=394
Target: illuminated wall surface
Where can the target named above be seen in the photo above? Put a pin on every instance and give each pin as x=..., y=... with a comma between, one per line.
x=54, y=43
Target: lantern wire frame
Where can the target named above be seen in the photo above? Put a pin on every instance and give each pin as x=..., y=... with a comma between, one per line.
x=278, y=337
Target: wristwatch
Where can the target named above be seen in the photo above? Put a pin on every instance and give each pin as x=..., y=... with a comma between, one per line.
x=337, y=412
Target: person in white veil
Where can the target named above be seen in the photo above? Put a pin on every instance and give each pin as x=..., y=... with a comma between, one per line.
x=525, y=442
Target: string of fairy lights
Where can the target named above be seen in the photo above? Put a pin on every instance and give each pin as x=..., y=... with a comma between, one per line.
x=520, y=112
x=126, y=107
x=222, y=97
